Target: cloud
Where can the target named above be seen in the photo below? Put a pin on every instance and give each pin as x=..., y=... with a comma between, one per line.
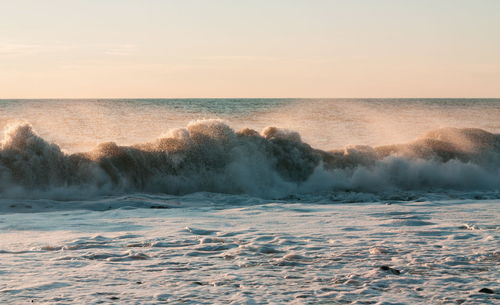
x=237, y=58
x=117, y=49
x=25, y=49
x=15, y=49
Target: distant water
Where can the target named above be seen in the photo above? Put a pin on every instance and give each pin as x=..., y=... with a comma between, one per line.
x=250, y=201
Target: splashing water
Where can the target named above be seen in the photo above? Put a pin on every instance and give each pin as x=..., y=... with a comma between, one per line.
x=210, y=156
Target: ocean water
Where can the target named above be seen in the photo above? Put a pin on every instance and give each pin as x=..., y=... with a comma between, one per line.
x=250, y=201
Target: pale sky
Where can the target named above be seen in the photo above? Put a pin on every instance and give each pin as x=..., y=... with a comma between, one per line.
x=257, y=48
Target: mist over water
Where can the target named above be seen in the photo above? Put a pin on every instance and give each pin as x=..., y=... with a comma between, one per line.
x=80, y=125
x=276, y=148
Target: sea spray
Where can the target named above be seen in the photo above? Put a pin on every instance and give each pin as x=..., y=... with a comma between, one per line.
x=209, y=156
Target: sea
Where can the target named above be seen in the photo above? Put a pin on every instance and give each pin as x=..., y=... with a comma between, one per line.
x=250, y=201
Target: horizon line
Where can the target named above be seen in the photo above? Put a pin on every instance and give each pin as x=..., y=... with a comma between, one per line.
x=228, y=98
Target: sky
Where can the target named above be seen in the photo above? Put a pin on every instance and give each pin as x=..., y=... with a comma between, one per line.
x=257, y=48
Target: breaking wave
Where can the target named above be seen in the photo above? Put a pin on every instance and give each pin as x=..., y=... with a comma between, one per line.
x=209, y=156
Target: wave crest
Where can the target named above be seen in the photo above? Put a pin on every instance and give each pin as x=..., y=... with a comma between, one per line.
x=210, y=156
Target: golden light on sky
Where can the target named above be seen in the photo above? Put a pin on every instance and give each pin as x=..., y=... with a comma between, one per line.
x=127, y=48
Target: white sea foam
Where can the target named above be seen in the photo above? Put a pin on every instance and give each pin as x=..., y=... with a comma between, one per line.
x=403, y=253
x=209, y=156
